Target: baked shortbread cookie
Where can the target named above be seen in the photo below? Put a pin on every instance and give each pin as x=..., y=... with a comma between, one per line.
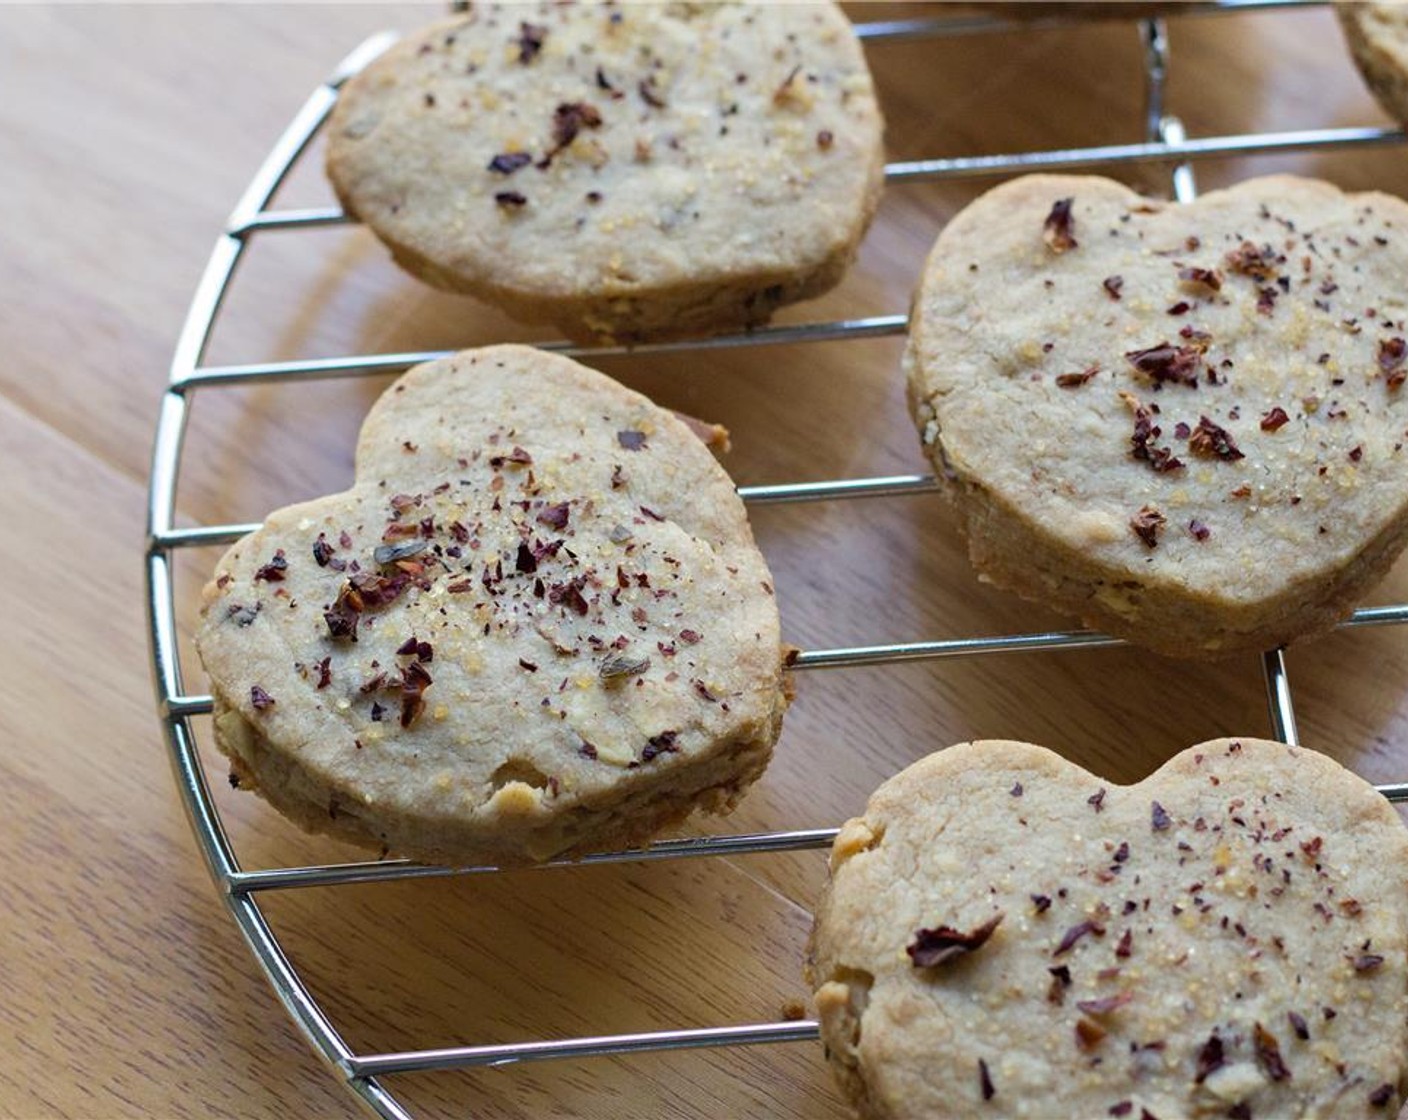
x=628, y=171
x=1183, y=424
x=1006, y=936
x=1378, y=38
x=535, y=626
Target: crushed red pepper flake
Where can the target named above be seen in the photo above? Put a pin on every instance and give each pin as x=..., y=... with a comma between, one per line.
x=1367, y=962
x=1105, y=1004
x=400, y=531
x=517, y=457
x=1075, y=933
x=1147, y=524
x=414, y=681
x=1274, y=419
x=568, y=119
x=273, y=571
x=506, y=163
x=1210, y=1058
x=242, y=615
x=1392, y=352
x=1212, y=440
x=342, y=617
x=1112, y=286
x=1268, y=1054
x=1249, y=260
x=664, y=743
x=1159, y=819
x=555, y=516
x=1165, y=363
x=650, y=92
x=933, y=947
x=322, y=551
x=1058, y=231
x=1097, y=799
x=1209, y=278
x=530, y=41
x=985, y=1081
x=260, y=699
x=1144, y=447
x=569, y=594
x=1198, y=530
x=604, y=83
x=1126, y=945
x=413, y=647
x=1088, y=1034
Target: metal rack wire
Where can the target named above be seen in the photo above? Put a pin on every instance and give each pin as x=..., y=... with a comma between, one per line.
x=1164, y=143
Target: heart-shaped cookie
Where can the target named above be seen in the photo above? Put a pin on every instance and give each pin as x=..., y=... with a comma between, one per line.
x=1377, y=35
x=1184, y=424
x=536, y=625
x=1006, y=936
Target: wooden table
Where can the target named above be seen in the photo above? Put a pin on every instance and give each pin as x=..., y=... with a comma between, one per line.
x=125, y=136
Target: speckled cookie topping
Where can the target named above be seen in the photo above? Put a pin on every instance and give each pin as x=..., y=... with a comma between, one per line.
x=536, y=624
x=1225, y=939
x=626, y=170
x=1185, y=424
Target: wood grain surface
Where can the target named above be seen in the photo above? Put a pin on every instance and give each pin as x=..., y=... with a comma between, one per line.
x=125, y=136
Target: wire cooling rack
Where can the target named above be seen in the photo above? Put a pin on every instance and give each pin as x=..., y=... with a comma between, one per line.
x=1164, y=143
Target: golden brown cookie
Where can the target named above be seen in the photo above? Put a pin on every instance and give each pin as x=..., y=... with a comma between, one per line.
x=629, y=171
x=1004, y=935
x=535, y=626
x=1183, y=424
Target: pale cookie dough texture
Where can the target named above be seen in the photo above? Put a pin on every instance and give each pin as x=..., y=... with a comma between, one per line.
x=1378, y=38
x=1004, y=935
x=1183, y=424
x=624, y=171
x=537, y=625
